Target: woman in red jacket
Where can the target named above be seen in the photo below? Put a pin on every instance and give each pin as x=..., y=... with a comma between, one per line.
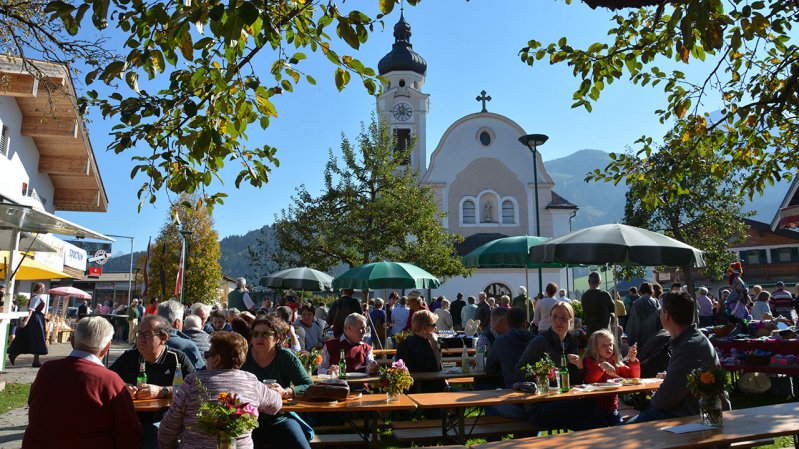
x=602, y=363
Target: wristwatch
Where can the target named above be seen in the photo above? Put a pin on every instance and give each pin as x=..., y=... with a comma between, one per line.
x=164, y=392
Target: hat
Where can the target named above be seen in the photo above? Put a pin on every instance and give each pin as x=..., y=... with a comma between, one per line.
x=136, y=300
x=780, y=284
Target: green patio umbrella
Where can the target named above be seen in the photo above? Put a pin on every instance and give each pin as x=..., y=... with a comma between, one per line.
x=386, y=275
x=508, y=252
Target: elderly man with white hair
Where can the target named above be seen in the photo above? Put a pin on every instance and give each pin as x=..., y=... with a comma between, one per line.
x=240, y=297
x=523, y=300
x=203, y=311
x=172, y=311
x=192, y=328
x=81, y=382
x=357, y=354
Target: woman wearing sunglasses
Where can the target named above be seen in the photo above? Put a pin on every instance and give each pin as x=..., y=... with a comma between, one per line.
x=268, y=359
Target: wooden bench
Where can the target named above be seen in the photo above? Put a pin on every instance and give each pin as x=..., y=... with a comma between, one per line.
x=338, y=439
x=425, y=430
x=753, y=443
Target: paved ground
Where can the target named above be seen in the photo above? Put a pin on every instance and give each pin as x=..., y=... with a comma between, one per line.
x=13, y=423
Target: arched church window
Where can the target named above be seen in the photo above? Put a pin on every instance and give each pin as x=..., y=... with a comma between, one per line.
x=496, y=290
x=468, y=212
x=508, y=215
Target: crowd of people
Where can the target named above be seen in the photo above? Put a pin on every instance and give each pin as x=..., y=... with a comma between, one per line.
x=251, y=349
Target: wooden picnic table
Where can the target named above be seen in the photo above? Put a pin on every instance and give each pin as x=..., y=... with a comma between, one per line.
x=151, y=405
x=369, y=404
x=421, y=376
x=445, y=351
x=459, y=401
x=739, y=425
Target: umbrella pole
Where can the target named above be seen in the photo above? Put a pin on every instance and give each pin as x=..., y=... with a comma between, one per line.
x=527, y=286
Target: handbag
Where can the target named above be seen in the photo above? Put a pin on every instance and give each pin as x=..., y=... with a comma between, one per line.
x=330, y=390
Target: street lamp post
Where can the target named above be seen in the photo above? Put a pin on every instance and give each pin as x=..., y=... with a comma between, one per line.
x=532, y=141
x=130, y=271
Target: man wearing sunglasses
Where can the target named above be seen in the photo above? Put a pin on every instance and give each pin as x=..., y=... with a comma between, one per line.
x=160, y=363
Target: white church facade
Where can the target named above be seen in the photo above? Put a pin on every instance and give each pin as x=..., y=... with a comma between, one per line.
x=481, y=175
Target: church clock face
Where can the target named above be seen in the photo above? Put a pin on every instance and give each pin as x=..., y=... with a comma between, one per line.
x=402, y=111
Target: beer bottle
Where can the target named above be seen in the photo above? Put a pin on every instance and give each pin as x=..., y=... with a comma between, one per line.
x=342, y=366
x=142, y=377
x=564, y=374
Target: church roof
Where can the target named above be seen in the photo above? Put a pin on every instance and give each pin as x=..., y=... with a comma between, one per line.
x=402, y=56
x=558, y=202
x=471, y=243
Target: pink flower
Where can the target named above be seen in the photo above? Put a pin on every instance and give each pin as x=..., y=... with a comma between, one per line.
x=400, y=365
x=250, y=409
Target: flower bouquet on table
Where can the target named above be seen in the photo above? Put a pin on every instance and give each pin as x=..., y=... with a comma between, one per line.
x=541, y=371
x=394, y=380
x=225, y=417
x=709, y=384
x=310, y=360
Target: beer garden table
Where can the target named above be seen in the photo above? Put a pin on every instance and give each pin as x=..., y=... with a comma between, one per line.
x=420, y=376
x=151, y=405
x=460, y=401
x=739, y=425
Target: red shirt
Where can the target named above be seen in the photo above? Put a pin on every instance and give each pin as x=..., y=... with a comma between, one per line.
x=355, y=354
x=70, y=386
x=593, y=373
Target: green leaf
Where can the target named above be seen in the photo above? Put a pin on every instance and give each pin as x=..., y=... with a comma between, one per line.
x=342, y=77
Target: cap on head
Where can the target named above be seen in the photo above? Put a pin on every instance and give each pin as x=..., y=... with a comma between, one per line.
x=780, y=284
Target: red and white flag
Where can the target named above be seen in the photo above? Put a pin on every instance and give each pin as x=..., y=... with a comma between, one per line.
x=179, y=279
x=146, y=284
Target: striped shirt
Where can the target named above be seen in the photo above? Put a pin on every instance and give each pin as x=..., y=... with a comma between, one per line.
x=181, y=419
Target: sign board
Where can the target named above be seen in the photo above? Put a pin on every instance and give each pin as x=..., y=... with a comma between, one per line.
x=100, y=257
x=91, y=247
x=104, y=286
x=664, y=276
x=95, y=272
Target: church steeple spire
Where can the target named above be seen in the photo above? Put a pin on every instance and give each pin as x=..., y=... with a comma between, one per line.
x=402, y=56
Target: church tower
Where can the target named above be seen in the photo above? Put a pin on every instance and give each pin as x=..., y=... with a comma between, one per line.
x=403, y=106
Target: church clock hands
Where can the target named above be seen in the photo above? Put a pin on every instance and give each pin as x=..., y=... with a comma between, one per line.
x=402, y=111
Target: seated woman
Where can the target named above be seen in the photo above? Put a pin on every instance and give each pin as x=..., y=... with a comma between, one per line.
x=268, y=359
x=577, y=414
x=228, y=352
x=420, y=351
x=602, y=363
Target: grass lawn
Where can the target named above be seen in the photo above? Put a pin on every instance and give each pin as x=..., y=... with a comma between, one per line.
x=14, y=396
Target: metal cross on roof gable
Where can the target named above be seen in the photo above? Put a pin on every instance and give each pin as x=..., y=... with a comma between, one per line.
x=483, y=98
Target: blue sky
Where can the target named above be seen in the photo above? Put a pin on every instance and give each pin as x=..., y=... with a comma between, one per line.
x=469, y=46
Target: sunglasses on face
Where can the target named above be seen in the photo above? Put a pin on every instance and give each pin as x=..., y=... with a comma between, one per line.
x=263, y=334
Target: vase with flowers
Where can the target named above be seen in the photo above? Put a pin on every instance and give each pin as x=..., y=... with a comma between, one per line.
x=709, y=385
x=541, y=371
x=394, y=380
x=310, y=360
x=225, y=418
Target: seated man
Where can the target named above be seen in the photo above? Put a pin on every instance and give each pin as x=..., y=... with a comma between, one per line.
x=690, y=350
x=173, y=312
x=192, y=327
x=160, y=363
x=218, y=322
x=81, y=383
x=312, y=328
x=499, y=325
x=504, y=354
x=357, y=354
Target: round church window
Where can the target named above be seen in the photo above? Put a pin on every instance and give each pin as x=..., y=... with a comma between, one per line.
x=485, y=138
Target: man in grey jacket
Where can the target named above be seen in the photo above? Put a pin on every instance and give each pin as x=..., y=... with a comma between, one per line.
x=192, y=327
x=690, y=350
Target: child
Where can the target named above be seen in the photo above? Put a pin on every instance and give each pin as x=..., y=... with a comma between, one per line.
x=603, y=362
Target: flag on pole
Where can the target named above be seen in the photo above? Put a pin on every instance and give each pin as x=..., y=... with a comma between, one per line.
x=146, y=284
x=179, y=278
x=163, y=271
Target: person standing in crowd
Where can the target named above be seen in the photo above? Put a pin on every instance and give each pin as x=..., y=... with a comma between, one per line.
x=690, y=350
x=399, y=316
x=152, y=308
x=435, y=305
x=160, y=364
x=81, y=382
x=761, y=305
x=378, y=323
x=543, y=307
x=562, y=295
x=597, y=305
x=312, y=328
x=30, y=338
x=239, y=298
x=172, y=311
x=629, y=299
x=444, y=322
x=704, y=307
x=192, y=328
x=524, y=302
x=469, y=311
x=133, y=321
x=393, y=299
x=341, y=308
x=483, y=312
x=83, y=310
x=358, y=354
x=455, y=310
x=321, y=312
x=644, y=319
x=782, y=302
x=415, y=303
x=620, y=310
